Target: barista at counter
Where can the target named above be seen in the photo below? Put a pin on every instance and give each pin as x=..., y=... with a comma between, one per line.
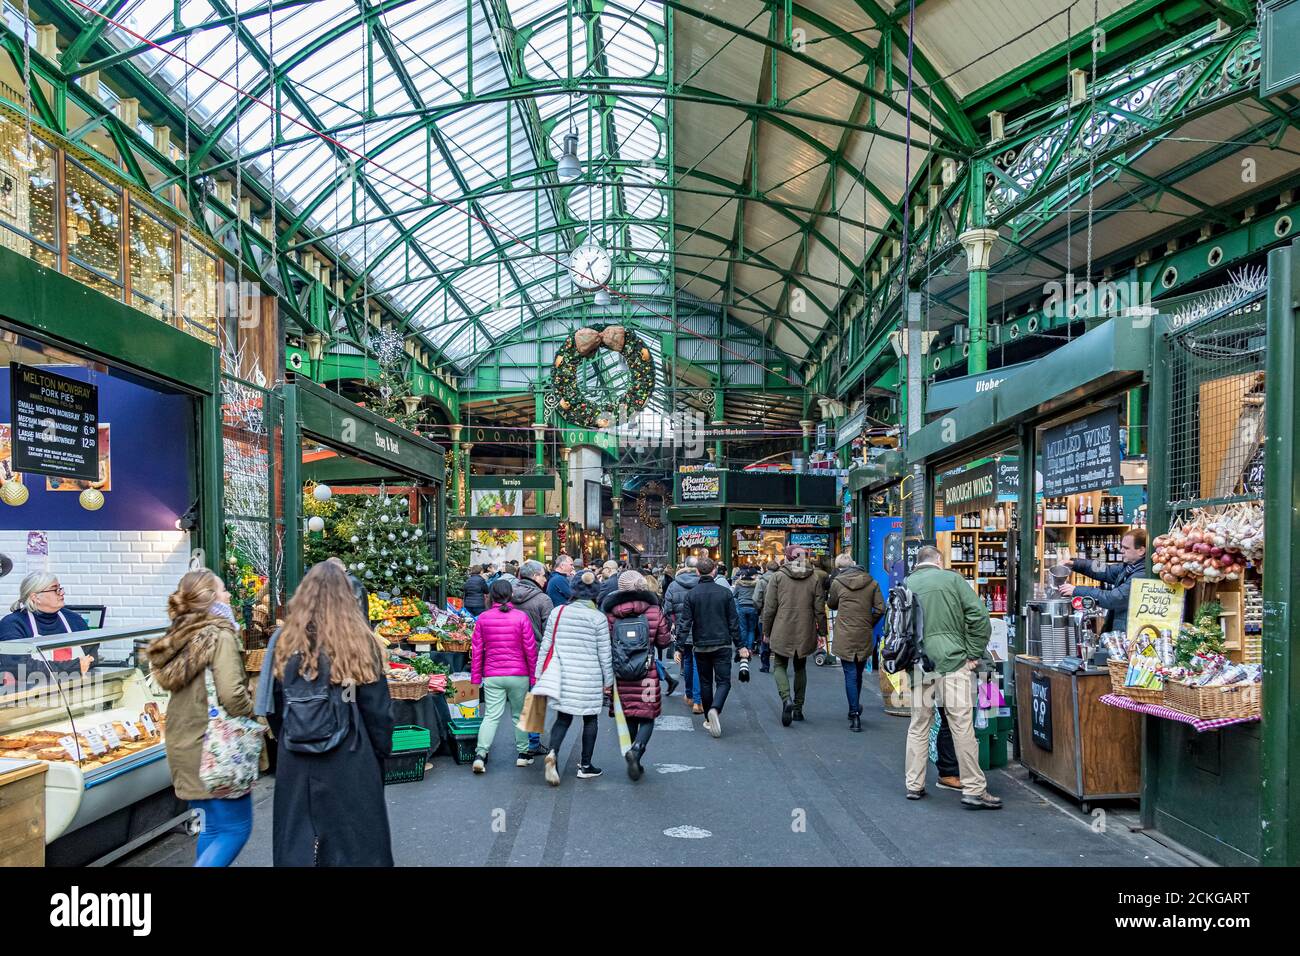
x=1133, y=555
x=38, y=612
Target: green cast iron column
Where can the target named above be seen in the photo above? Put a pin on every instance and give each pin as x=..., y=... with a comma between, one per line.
x=1134, y=421
x=1280, y=799
x=292, y=492
x=539, y=440
x=719, y=417
x=564, y=484
x=978, y=243
x=455, y=469
x=616, y=483
x=211, y=469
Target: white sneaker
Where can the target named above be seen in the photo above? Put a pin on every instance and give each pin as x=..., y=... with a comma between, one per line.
x=523, y=760
x=552, y=774
x=713, y=724
x=480, y=765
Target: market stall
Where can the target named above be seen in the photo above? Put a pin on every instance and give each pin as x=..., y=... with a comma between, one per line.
x=116, y=513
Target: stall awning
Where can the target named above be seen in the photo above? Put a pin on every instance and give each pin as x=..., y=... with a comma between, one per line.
x=1115, y=354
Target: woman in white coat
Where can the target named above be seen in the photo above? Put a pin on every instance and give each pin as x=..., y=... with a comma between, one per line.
x=579, y=634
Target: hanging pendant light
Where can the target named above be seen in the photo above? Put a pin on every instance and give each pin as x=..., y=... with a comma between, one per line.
x=602, y=297
x=569, y=168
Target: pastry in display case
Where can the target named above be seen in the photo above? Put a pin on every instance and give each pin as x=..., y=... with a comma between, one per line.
x=101, y=732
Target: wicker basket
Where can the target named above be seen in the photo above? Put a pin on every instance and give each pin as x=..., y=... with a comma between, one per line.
x=1143, y=695
x=253, y=660
x=408, y=689
x=1234, y=700
x=456, y=646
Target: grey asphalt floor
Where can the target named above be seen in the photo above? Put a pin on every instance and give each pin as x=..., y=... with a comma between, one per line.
x=813, y=794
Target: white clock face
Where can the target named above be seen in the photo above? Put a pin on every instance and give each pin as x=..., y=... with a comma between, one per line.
x=590, y=266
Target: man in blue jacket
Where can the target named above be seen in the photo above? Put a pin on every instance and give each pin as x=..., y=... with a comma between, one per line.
x=557, y=587
x=1133, y=560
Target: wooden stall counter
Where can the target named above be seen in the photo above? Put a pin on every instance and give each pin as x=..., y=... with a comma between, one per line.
x=22, y=812
x=1070, y=739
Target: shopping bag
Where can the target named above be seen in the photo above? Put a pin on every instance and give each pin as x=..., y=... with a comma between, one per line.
x=548, y=685
x=532, y=719
x=620, y=721
x=232, y=746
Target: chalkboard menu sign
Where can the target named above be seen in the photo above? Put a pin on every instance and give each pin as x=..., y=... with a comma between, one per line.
x=55, y=423
x=910, y=547
x=698, y=484
x=1082, y=455
x=1040, y=713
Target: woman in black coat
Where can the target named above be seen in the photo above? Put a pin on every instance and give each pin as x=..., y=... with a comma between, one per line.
x=475, y=591
x=329, y=807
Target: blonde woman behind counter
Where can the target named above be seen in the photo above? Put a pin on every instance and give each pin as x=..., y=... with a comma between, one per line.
x=38, y=612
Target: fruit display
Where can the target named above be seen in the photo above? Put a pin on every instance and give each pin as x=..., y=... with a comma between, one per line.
x=394, y=628
x=1211, y=546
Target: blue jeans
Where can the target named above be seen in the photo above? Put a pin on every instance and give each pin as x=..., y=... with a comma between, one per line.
x=226, y=825
x=748, y=625
x=853, y=683
x=690, y=675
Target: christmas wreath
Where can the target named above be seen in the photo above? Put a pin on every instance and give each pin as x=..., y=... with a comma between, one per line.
x=583, y=344
x=655, y=489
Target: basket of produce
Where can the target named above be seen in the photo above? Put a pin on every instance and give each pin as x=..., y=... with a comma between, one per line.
x=253, y=660
x=410, y=754
x=454, y=644
x=406, y=683
x=394, y=628
x=406, y=607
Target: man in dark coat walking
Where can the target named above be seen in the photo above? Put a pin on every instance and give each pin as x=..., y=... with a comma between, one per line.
x=855, y=596
x=709, y=622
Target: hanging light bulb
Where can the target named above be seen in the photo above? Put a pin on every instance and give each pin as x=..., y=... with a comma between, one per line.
x=568, y=168
x=602, y=297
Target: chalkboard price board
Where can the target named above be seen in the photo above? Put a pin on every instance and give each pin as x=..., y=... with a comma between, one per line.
x=910, y=547
x=55, y=423
x=1082, y=455
x=1040, y=715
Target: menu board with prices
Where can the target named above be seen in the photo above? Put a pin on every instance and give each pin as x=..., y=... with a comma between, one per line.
x=1082, y=455
x=55, y=423
x=1040, y=716
x=700, y=486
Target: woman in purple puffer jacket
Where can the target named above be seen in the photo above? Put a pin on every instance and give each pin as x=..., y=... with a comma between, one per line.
x=640, y=698
x=503, y=656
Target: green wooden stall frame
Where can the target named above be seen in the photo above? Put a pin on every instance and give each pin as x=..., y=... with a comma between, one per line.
x=319, y=414
x=62, y=312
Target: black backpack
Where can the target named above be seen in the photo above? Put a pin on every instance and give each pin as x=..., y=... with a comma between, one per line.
x=903, y=644
x=317, y=714
x=631, y=647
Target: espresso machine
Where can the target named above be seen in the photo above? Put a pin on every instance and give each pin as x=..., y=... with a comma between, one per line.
x=1058, y=627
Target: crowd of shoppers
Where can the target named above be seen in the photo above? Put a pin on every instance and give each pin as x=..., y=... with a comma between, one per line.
x=558, y=634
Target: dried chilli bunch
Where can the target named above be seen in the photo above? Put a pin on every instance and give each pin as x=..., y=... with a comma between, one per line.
x=1211, y=545
x=583, y=344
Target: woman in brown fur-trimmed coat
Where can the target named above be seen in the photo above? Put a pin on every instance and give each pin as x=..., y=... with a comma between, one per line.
x=203, y=635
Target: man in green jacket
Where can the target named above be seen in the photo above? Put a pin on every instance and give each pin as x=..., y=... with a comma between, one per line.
x=956, y=633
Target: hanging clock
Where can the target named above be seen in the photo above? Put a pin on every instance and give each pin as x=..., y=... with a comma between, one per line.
x=590, y=266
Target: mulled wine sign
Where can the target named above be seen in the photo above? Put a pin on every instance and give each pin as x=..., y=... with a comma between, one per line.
x=55, y=423
x=1082, y=455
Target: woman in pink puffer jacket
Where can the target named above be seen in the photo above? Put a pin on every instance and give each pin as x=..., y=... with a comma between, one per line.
x=503, y=656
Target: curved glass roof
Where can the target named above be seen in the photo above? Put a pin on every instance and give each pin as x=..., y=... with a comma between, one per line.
x=747, y=153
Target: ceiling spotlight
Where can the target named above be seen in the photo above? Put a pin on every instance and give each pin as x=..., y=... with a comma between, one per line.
x=602, y=297
x=568, y=168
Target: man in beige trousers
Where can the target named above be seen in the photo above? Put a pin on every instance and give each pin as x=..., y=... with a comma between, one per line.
x=956, y=632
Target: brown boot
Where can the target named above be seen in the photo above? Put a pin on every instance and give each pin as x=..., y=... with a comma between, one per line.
x=950, y=783
x=697, y=708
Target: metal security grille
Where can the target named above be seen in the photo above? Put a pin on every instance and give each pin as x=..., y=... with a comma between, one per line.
x=1215, y=402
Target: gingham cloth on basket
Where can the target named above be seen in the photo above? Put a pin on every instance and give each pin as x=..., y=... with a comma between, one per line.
x=1168, y=713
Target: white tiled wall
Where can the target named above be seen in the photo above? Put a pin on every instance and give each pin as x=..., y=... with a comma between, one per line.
x=132, y=572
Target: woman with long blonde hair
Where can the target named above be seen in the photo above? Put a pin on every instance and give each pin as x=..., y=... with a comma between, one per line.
x=203, y=637
x=329, y=710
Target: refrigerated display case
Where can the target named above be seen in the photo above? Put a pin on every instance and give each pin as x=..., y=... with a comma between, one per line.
x=101, y=732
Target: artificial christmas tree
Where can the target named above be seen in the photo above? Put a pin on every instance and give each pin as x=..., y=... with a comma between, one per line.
x=388, y=553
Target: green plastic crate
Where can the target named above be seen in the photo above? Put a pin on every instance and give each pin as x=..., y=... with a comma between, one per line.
x=464, y=737
x=411, y=737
